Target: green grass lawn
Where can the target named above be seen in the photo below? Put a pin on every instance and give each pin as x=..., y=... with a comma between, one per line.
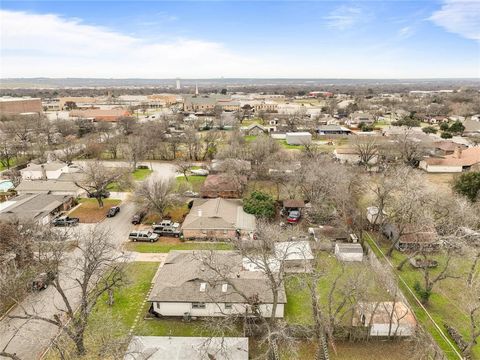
x=162, y=247
x=283, y=144
x=250, y=138
x=89, y=212
x=446, y=304
x=195, y=181
x=141, y=174
x=298, y=308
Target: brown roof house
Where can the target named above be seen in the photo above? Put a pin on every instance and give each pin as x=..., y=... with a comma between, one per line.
x=217, y=219
x=186, y=287
x=224, y=186
x=459, y=161
x=446, y=147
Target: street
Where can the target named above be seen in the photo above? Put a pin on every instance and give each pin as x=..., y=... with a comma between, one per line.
x=31, y=338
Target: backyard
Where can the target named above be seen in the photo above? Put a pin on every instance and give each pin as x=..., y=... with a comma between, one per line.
x=89, y=212
x=446, y=304
x=194, y=182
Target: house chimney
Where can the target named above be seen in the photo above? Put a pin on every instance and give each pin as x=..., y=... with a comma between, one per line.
x=44, y=172
x=199, y=212
x=457, y=153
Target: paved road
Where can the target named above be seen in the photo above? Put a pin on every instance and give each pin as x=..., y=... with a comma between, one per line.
x=160, y=169
x=33, y=337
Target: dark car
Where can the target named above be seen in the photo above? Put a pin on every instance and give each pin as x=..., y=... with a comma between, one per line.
x=42, y=280
x=138, y=217
x=172, y=231
x=293, y=217
x=65, y=221
x=114, y=210
x=104, y=194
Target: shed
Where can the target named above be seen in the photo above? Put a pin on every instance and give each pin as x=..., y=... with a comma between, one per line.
x=385, y=318
x=291, y=204
x=298, y=138
x=349, y=252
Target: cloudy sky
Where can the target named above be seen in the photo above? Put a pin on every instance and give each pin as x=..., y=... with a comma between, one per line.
x=198, y=39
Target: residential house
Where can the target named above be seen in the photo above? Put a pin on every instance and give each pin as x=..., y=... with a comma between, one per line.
x=254, y=130
x=298, y=138
x=38, y=208
x=385, y=318
x=333, y=130
x=48, y=171
x=222, y=165
x=446, y=147
x=472, y=127
x=349, y=252
x=191, y=348
x=350, y=155
x=186, y=287
x=224, y=186
x=459, y=161
x=359, y=117
x=217, y=219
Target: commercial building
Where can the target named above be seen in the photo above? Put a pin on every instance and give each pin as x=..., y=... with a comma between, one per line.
x=20, y=105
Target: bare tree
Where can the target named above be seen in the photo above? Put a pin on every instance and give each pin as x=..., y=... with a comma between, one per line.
x=156, y=194
x=136, y=150
x=96, y=269
x=366, y=148
x=97, y=177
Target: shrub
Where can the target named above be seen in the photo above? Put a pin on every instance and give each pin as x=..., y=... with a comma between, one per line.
x=468, y=185
x=429, y=130
x=259, y=204
x=422, y=293
x=446, y=135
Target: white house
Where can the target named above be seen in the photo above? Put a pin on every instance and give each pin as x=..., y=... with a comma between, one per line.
x=47, y=171
x=349, y=251
x=297, y=255
x=298, y=138
x=184, y=286
x=191, y=348
x=349, y=155
x=385, y=318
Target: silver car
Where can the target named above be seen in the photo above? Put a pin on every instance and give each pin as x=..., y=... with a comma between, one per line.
x=143, y=235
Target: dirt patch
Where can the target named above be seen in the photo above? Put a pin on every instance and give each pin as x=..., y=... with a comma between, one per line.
x=89, y=212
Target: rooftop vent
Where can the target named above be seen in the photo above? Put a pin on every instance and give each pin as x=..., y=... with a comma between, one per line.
x=224, y=288
x=203, y=287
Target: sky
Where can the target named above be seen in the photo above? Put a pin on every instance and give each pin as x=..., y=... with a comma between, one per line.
x=247, y=39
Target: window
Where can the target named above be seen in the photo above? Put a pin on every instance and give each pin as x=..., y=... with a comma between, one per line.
x=228, y=306
x=198, y=305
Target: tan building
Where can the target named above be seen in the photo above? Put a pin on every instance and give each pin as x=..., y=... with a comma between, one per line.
x=167, y=99
x=112, y=115
x=16, y=106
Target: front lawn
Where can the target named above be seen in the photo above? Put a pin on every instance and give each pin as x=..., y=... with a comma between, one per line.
x=194, y=182
x=165, y=245
x=89, y=212
x=141, y=174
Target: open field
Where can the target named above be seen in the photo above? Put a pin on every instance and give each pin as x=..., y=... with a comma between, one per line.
x=446, y=304
x=165, y=244
x=89, y=212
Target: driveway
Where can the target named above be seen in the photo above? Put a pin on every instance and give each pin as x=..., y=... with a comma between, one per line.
x=31, y=338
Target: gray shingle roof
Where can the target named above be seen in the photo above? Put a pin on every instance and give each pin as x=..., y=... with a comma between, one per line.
x=180, y=277
x=218, y=214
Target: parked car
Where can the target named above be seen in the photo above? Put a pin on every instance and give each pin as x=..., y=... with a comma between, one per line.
x=165, y=223
x=143, y=235
x=191, y=194
x=114, y=210
x=42, y=280
x=138, y=217
x=143, y=167
x=104, y=194
x=293, y=217
x=65, y=221
x=172, y=231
